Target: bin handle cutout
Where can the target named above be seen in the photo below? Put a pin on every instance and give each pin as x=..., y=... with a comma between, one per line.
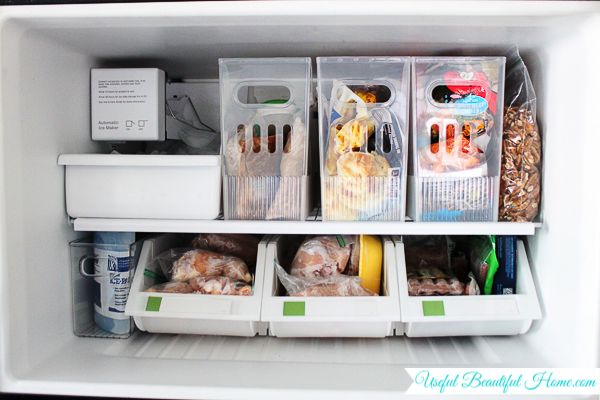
x=271, y=94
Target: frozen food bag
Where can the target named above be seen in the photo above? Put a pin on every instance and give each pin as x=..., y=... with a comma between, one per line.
x=520, y=179
x=363, y=117
x=185, y=264
x=323, y=256
x=505, y=279
x=264, y=116
x=332, y=285
x=484, y=262
x=458, y=115
x=238, y=245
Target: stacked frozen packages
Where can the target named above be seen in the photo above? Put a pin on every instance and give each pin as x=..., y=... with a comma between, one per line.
x=264, y=115
x=363, y=113
x=457, y=138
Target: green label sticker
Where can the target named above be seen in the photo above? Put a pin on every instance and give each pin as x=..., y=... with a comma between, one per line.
x=153, y=303
x=340, y=240
x=293, y=308
x=150, y=274
x=433, y=308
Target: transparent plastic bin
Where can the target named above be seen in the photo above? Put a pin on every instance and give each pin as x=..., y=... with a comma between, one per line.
x=363, y=125
x=456, y=97
x=265, y=101
x=507, y=314
x=352, y=316
x=85, y=285
x=192, y=313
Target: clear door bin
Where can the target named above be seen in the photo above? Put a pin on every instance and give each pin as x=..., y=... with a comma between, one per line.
x=329, y=316
x=462, y=315
x=456, y=179
x=191, y=313
x=363, y=124
x=264, y=123
x=93, y=302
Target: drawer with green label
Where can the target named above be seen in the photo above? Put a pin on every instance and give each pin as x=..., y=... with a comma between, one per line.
x=191, y=313
x=329, y=316
x=461, y=315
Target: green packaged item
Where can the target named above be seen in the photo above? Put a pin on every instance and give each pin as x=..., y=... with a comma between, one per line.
x=484, y=262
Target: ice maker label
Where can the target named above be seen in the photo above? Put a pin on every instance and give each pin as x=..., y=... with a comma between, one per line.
x=294, y=308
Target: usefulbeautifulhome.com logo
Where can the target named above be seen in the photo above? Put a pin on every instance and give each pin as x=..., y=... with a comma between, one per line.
x=504, y=381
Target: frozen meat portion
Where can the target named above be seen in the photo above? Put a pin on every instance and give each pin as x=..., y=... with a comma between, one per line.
x=200, y=262
x=171, y=287
x=237, y=245
x=220, y=285
x=321, y=256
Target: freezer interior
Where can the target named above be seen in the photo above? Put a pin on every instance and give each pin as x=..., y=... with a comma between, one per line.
x=46, y=53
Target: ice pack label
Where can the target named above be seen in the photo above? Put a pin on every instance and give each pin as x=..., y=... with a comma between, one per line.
x=113, y=268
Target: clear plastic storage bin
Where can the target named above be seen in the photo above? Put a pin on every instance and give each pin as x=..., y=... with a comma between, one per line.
x=86, y=283
x=363, y=124
x=264, y=123
x=191, y=313
x=456, y=97
x=329, y=316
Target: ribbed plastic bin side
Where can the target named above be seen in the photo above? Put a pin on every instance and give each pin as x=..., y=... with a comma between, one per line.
x=363, y=125
x=428, y=316
x=264, y=123
x=360, y=316
x=457, y=138
x=192, y=313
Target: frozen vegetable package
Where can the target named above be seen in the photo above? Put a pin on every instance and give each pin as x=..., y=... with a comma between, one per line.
x=363, y=113
x=520, y=180
x=457, y=132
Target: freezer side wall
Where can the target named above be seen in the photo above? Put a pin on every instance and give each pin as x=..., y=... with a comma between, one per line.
x=45, y=111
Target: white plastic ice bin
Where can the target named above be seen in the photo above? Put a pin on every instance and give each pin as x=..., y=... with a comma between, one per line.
x=142, y=186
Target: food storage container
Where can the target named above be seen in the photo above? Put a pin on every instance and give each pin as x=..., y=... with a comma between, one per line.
x=352, y=316
x=264, y=125
x=363, y=124
x=191, y=313
x=457, y=138
x=142, y=186
x=91, y=286
x=462, y=315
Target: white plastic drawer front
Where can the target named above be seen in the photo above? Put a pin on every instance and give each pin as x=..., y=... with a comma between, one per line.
x=288, y=316
x=469, y=315
x=192, y=313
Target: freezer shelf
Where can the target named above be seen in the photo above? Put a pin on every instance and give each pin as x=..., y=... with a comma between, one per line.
x=306, y=227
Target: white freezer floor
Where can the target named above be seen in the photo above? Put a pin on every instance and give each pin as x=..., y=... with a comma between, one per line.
x=186, y=366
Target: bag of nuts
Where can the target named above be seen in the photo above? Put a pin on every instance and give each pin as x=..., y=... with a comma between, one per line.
x=520, y=178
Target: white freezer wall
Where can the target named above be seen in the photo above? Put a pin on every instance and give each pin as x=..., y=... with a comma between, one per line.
x=45, y=56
